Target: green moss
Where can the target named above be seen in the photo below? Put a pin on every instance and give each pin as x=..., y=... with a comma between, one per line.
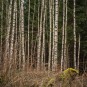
x=51, y=82
x=68, y=73
x=67, y=76
x=48, y=81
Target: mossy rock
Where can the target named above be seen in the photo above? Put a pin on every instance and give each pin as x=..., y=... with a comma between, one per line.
x=68, y=74
x=65, y=77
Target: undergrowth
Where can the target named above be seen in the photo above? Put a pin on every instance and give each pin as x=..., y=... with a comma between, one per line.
x=43, y=79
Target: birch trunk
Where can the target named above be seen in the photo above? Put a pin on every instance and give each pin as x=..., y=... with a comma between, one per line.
x=16, y=41
x=38, y=35
x=50, y=41
x=43, y=44
x=74, y=31
x=78, y=52
x=63, y=29
x=22, y=32
x=6, y=57
x=39, y=39
x=65, y=40
x=12, y=38
x=56, y=36
x=53, y=34
x=19, y=38
x=28, y=62
x=1, y=28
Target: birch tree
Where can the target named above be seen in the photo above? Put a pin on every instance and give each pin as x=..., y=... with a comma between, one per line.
x=63, y=29
x=28, y=62
x=22, y=32
x=53, y=34
x=19, y=38
x=50, y=37
x=78, y=52
x=74, y=31
x=65, y=40
x=39, y=39
x=1, y=28
x=43, y=43
x=56, y=36
x=12, y=36
x=16, y=40
x=6, y=58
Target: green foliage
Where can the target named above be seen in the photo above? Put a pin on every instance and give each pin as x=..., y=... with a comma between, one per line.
x=68, y=74
x=65, y=77
x=48, y=81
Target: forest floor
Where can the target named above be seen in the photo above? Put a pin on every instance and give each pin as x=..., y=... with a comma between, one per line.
x=40, y=79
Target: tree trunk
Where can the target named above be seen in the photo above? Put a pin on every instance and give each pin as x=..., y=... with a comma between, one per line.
x=12, y=38
x=50, y=37
x=63, y=29
x=6, y=57
x=78, y=52
x=65, y=39
x=74, y=31
x=28, y=58
x=39, y=39
x=56, y=36
x=22, y=32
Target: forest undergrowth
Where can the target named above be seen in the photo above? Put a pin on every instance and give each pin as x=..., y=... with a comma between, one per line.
x=33, y=78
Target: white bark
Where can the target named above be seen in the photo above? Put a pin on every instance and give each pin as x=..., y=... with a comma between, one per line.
x=1, y=28
x=6, y=57
x=43, y=44
x=39, y=39
x=56, y=36
x=63, y=29
x=12, y=37
x=53, y=34
x=16, y=40
x=50, y=41
x=65, y=40
x=22, y=32
x=28, y=62
x=78, y=52
x=74, y=31
x=19, y=39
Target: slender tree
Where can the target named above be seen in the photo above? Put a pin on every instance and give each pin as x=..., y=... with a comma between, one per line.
x=12, y=36
x=22, y=32
x=78, y=52
x=16, y=40
x=63, y=29
x=53, y=34
x=1, y=29
x=74, y=32
x=50, y=37
x=28, y=62
x=19, y=38
x=6, y=57
x=32, y=41
x=56, y=36
x=39, y=38
x=65, y=38
x=43, y=43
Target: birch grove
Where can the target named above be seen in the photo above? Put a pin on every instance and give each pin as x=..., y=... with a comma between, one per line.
x=40, y=35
